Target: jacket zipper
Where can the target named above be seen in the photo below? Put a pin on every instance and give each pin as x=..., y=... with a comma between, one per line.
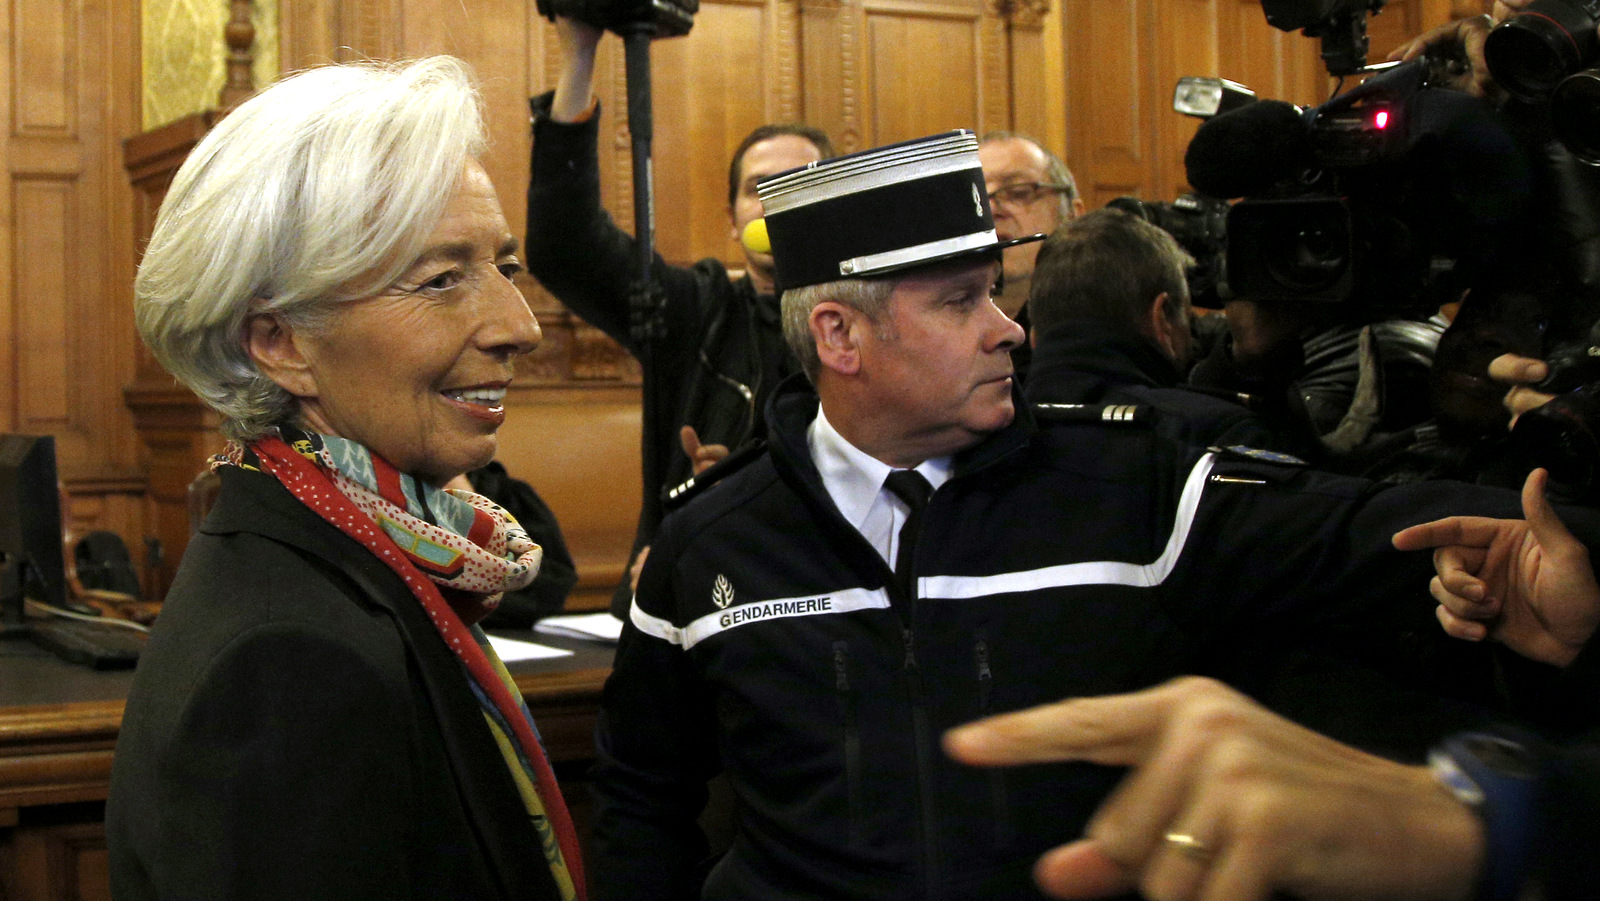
x=922, y=735
x=903, y=601
x=997, y=785
x=852, y=739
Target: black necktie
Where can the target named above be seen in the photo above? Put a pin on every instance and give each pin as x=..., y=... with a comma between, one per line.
x=913, y=488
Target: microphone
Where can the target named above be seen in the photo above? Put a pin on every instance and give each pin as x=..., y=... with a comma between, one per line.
x=1248, y=150
x=754, y=237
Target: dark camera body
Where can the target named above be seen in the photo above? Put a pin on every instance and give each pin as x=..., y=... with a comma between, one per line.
x=1402, y=194
x=1199, y=225
x=1530, y=53
x=657, y=18
x=1547, y=54
x=1341, y=25
x=1563, y=435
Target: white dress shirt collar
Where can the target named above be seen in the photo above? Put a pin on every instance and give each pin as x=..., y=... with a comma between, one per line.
x=854, y=480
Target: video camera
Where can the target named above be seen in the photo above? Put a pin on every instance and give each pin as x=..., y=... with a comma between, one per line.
x=656, y=18
x=1386, y=199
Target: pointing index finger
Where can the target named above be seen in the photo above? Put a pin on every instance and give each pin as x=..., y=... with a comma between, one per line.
x=1117, y=730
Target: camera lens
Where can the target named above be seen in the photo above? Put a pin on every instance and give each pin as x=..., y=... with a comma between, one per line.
x=1575, y=114
x=1310, y=255
x=1529, y=53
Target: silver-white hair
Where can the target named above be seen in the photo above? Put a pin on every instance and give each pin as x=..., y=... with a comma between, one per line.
x=322, y=188
x=869, y=295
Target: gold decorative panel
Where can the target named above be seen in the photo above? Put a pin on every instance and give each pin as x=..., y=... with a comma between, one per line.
x=184, y=54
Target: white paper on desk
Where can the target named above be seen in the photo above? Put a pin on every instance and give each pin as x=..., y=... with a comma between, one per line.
x=602, y=626
x=511, y=650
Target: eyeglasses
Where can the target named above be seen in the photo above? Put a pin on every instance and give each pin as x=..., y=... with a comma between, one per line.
x=1021, y=193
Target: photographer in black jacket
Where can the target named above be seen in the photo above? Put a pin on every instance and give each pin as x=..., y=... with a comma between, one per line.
x=720, y=351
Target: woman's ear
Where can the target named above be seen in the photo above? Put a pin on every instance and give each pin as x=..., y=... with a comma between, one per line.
x=833, y=328
x=273, y=347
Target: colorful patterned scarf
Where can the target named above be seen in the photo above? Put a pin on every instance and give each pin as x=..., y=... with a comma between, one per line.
x=457, y=552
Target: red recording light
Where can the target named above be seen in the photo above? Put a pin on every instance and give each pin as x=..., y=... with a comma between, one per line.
x=1381, y=120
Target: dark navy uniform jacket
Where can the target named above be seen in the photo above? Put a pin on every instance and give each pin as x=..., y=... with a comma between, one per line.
x=1081, y=361
x=769, y=641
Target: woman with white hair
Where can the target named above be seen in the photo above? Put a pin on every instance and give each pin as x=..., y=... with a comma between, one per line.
x=316, y=715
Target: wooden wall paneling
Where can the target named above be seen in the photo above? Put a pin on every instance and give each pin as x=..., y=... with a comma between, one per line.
x=783, y=99
x=1186, y=43
x=1106, y=102
x=9, y=339
x=711, y=87
x=1253, y=52
x=66, y=860
x=318, y=32
x=72, y=93
x=926, y=69
x=1002, y=49
x=493, y=39
x=307, y=33
x=1399, y=21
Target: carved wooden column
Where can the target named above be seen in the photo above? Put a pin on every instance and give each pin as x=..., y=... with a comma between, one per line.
x=1023, y=70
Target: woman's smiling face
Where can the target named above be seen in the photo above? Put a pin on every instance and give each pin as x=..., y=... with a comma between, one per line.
x=417, y=373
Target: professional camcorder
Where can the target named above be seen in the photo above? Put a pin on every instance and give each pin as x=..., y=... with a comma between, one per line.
x=656, y=18
x=1386, y=199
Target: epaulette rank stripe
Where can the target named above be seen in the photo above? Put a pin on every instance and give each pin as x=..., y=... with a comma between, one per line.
x=675, y=497
x=1121, y=413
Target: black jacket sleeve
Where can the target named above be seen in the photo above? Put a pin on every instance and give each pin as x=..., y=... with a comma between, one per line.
x=323, y=814
x=574, y=248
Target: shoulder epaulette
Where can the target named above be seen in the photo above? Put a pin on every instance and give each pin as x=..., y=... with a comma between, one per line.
x=673, y=498
x=1121, y=413
x=1257, y=455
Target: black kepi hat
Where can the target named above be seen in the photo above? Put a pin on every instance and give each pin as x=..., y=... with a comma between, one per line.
x=880, y=211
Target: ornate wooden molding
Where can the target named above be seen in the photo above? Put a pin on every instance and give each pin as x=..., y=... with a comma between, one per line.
x=995, y=64
x=851, y=22
x=1028, y=14
x=58, y=753
x=786, y=104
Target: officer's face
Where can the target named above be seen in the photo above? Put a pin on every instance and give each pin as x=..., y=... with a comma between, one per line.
x=938, y=364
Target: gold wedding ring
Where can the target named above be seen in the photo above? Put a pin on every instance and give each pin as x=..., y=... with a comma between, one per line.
x=1189, y=846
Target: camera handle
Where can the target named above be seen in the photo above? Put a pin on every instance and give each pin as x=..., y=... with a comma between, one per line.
x=645, y=298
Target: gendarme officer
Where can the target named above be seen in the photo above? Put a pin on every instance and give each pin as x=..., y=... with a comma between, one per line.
x=914, y=552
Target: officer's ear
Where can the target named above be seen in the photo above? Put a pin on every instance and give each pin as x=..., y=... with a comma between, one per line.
x=1161, y=325
x=837, y=329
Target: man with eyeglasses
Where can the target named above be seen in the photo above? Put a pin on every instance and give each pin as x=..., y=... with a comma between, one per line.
x=1031, y=191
